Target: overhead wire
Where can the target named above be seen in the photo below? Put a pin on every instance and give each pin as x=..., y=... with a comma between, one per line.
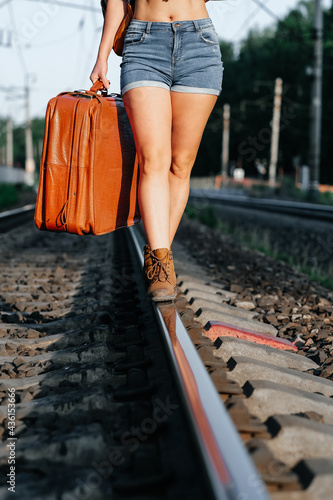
x=2, y=4
x=68, y=4
x=260, y=6
x=80, y=50
x=17, y=45
x=87, y=67
x=266, y=9
x=216, y=8
x=52, y=43
x=248, y=20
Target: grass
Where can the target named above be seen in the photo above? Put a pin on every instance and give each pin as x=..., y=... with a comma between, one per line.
x=261, y=240
x=207, y=216
x=289, y=191
x=8, y=195
x=12, y=194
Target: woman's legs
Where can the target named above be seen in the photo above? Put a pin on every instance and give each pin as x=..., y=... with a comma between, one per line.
x=190, y=113
x=149, y=112
x=167, y=128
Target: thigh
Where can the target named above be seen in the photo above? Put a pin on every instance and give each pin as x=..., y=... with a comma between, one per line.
x=190, y=113
x=149, y=113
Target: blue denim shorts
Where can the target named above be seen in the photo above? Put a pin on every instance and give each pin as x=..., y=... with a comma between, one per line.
x=183, y=56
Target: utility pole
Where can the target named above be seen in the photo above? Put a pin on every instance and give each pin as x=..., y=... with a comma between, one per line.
x=275, y=132
x=316, y=100
x=225, y=141
x=9, y=143
x=29, y=155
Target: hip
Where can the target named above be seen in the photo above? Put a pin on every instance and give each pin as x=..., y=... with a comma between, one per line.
x=172, y=40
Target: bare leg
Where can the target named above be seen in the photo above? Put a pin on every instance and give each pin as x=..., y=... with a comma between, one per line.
x=190, y=113
x=167, y=129
x=149, y=112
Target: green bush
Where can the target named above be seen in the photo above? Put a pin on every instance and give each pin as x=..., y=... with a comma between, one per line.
x=205, y=214
x=326, y=198
x=8, y=195
x=208, y=217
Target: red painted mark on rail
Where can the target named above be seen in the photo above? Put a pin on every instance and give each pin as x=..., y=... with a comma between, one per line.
x=215, y=329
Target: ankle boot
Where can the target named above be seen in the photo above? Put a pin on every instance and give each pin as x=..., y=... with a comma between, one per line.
x=148, y=263
x=161, y=276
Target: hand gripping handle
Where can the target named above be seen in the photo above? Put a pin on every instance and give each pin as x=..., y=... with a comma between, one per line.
x=96, y=86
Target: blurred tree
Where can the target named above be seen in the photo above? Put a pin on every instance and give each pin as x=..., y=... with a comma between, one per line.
x=2, y=138
x=285, y=51
x=208, y=161
x=19, y=147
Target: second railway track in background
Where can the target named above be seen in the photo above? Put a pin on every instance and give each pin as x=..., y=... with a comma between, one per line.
x=99, y=410
x=299, y=209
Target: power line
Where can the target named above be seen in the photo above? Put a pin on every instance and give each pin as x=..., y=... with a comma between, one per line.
x=4, y=3
x=248, y=20
x=52, y=43
x=5, y=38
x=266, y=9
x=89, y=60
x=67, y=4
x=18, y=47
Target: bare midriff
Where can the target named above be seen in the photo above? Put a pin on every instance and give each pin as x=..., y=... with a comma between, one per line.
x=170, y=10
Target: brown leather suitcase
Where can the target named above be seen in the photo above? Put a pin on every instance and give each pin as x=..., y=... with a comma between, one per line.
x=89, y=170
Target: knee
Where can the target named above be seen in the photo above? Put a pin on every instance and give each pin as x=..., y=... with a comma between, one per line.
x=156, y=163
x=181, y=166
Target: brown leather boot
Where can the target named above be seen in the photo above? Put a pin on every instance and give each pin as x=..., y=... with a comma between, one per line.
x=161, y=276
x=148, y=263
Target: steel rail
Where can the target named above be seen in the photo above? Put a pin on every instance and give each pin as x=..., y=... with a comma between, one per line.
x=17, y=211
x=231, y=472
x=15, y=216
x=227, y=465
x=300, y=209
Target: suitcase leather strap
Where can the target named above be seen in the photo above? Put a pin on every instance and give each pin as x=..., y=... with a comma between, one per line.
x=93, y=93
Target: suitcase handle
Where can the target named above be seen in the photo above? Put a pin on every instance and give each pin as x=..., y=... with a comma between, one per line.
x=97, y=86
x=87, y=93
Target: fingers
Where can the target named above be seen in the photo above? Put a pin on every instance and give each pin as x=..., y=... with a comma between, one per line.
x=104, y=80
x=93, y=77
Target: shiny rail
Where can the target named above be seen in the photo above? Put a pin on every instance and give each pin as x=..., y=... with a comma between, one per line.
x=15, y=217
x=297, y=208
x=226, y=462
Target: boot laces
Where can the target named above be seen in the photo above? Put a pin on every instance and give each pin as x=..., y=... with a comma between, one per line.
x=159, y=270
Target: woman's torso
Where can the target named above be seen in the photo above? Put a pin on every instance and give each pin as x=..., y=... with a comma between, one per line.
x=169, y=10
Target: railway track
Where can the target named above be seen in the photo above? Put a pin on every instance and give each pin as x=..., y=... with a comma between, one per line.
x=13, y=218
x=112, y=401
x=92, y=403
x=299, y=209
x=298, y=233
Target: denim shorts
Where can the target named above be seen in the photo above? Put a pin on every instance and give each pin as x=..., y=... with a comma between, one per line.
x=183, y=56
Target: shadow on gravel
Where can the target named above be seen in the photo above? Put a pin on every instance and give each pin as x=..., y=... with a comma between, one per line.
x=87, y=421
x=58, y=317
